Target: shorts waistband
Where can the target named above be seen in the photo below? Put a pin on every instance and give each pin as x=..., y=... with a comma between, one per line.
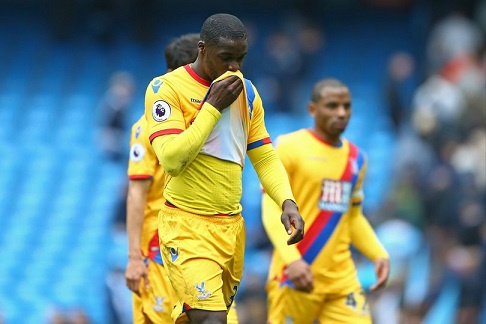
x=169, y=204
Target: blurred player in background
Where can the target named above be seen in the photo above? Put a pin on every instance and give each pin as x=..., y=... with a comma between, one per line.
x=201, y=229
x=154, y=297
x=317, y=279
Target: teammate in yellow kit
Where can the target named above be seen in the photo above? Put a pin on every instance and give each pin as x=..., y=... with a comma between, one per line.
x=201, y=229
x=154, y=297
x=316, y=279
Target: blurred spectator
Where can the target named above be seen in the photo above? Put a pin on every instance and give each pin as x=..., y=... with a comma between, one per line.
x=469, y=158
x=399, y=89
x=437, y=105
x=289, y=51
x=453, y=36
x=102, y=19
x=114, y=107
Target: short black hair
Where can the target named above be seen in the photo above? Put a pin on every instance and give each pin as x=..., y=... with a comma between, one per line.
x=222, y=25
x=325, y=83
x=181, y=51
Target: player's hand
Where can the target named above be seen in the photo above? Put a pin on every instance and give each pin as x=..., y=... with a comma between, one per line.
x=382, y=270
x=300, y=274
x=136, y=270
x=291, y=218
x=223, y=93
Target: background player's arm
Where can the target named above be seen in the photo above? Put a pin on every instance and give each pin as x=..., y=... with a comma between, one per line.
x=275, y=181
x=136, y=200
x=363, y=236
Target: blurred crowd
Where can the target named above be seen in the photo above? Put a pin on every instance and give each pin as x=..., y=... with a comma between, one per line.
x=438, y=197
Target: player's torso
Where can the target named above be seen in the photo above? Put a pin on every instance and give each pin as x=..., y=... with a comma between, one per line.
x=317, y=179
x=183, y=90
x=321, y=183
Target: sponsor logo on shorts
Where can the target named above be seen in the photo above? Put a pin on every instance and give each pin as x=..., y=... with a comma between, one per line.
x=202, y=292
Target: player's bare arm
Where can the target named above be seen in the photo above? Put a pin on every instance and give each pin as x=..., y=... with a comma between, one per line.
x=291, y=219
x=136, y=268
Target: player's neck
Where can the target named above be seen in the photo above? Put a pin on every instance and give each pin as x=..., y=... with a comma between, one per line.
x=197, y=68
x=326, y=138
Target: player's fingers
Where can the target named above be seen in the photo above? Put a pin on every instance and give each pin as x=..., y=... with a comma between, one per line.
x=305, y=285
x=381, y=280
x=294, y=238
x=300, y=285
x=298, y=223
x=146, y=279
x=377, y=285
x=286, y=224
x=134, y=285
x=309, y=278
x=297, y=236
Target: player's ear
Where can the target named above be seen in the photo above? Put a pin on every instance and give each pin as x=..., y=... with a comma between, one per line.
x=201, y=45
x=312, y=108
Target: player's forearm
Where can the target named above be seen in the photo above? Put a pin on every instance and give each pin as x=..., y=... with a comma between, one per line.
x=271, y=173
x=271, y=213
x=175, y=152
x=364, y=238
x=136, y=200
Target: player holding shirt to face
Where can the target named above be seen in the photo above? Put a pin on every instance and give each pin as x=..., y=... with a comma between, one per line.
x=316, y=279
x=154, y=297
x=203, y=119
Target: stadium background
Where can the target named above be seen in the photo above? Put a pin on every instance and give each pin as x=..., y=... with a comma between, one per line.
x=72, y=79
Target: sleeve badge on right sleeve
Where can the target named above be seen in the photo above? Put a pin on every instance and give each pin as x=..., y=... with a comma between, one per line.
x=137, y=152
x=161, y=110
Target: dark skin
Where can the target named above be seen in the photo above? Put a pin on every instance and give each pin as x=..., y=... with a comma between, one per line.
x=331, y=113
x=212, y=61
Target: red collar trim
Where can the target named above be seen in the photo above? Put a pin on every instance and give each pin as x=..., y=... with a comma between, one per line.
x=195, y=76
x=320, y=139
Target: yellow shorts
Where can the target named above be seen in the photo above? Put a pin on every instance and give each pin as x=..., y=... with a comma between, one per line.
x=156, y=302
x=203, y=256
x=286, y=305
x=232, y=314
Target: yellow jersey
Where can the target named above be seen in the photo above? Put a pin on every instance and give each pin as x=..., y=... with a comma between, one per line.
x=211, y=183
